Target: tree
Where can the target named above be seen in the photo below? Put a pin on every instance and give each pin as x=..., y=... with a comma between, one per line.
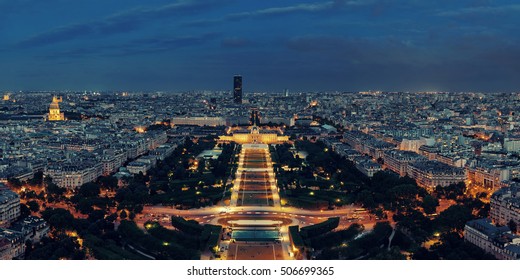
x=366, y=198
x=123, y=214
x=512, y=226
x=393, y=254
x=54, y=190
x=37, y=179
x=202, y=166
x=108, y=182
x=453, y=247
x=424, y=254
x=89, y=190
x=24, y=211
x=58, y=218
x=14, y=183
x=179, y=173
x=452, y=191
x=33, y=205
x=454, y=218
x=430, y=204
x=96, y=215
x=85, y=206
x=138, y=209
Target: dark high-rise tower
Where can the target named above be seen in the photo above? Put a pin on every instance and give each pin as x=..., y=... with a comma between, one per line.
x=237, y=89
x=255, y=117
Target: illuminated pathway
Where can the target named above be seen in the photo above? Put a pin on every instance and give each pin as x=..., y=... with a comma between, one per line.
x=255, y=183
x=255, y=208
x=255, y=186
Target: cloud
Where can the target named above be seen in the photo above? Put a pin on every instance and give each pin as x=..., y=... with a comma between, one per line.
x=386, y=50
x=482, y=10
x=141, y=46
x=276, y=11
x=235, y=42
x=123, y=22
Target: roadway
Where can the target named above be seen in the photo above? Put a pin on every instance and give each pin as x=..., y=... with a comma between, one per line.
x=347, y=214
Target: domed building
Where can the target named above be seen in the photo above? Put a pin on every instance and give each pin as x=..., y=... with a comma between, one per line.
x=54, y=110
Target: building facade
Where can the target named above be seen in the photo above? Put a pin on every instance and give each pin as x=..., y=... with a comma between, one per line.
x=9, y=206
x=73, y=175
x=54, y=110
x=12, y=245
x=430, y=174
x=398, y=161
x=497, y=241
x=505, y=206
x=255, y=135
x=488, y=176
x=199, y=121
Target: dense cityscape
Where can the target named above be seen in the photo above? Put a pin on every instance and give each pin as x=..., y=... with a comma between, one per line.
x=238, y=175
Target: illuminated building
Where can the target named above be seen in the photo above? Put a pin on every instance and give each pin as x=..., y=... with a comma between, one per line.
x=6, y=97
x=54, y=110
x=489, y=174
x=430, y=174
x=398, y=161
x=73, y=175
x=254, y=135
x=505, y=206
x=237, y=89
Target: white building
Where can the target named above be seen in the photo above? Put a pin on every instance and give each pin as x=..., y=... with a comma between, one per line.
x=398, y=161
x=73, y=175
x=497, y=241
x=489, y=176
x=9, y=206
x=512, y=145
x=414, y=144
x=112, y=160
x=505, y=206
x=135, y=167
x=430, y=174
x=200, y=121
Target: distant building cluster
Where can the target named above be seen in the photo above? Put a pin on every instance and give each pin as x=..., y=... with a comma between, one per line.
x=435, y=138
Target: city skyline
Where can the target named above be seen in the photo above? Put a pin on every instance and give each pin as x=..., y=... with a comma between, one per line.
x=196, y=175
x=300, y=45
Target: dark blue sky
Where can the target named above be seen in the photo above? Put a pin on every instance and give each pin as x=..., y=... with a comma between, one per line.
x=463, y=45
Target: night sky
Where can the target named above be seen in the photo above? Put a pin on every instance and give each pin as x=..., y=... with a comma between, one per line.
x=390, y=45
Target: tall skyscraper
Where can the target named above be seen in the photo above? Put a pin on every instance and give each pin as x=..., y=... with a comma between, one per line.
x=237, y=89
